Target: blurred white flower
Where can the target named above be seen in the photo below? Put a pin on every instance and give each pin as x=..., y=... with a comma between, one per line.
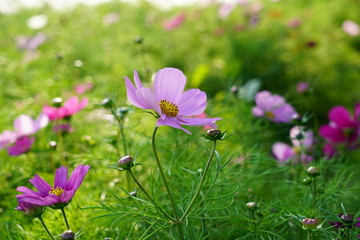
x=37, y=21
x=351, y=28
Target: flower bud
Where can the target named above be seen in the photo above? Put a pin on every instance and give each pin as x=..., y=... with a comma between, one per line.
x=52, y=145
x=307, y=181
x=126, y=162
x=68, y=235
x=107, y=103
x=309, y=223
x=251, y=205
x=347, y=218
x=313, y=171
x=133, y=194
x=138, y=40
x=214, y=134
x=57, y=102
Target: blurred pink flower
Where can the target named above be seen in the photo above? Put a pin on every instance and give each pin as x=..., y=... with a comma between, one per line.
x=294, y=23
x=273, y=107
x=302, y=142
x=6, y=138
x=30, y=43
x=70, y=107
x=82, y=88
x=111, y=18
x=302, y=87
x=21, y=145
x=24, y=125
x=63, y=128
x=225, y=9
x=351, y=28
x=174, y=22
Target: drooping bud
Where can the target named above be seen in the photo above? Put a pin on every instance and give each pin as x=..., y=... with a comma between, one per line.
x=126, y=162
x=57, y=102
x=251, y=206
x=309, y=223
x=313, y=171
x=68, y=235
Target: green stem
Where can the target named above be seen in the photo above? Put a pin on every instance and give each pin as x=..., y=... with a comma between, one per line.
x=178, y=221
x=46, y=229
x=315, y=195
x=66, y=221
x=308, y=235
x=148, y=195
x=121, y=126
x=202, y=180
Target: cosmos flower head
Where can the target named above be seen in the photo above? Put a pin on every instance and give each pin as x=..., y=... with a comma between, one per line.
x=174, y=22
x=29, y=209
x=342, y=130
x=60, y=194
x=302, y=141
x=273, y=107
x=169, y=101
x=72, y=106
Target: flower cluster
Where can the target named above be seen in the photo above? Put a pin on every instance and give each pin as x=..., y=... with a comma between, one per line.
x=302, y=142
x=343, y=130
x=273, y=107
x=20, y=141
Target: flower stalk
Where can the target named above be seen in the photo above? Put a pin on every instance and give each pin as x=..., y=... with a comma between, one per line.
x=46, y=229
x=65, y=218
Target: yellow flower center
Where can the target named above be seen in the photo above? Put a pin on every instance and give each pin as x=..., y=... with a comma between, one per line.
x=57, y=191
x=269, y=114
x=168, y=108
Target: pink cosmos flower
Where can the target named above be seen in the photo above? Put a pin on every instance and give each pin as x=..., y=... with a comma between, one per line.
x=7, y=137
x=302, y=142
x=70, y=107
x=274, y=107
x=302, y=87
x=225, y=10
x=21, y=145
x=174, y=22
x=58, y=196
x=82, y=88
x=343, y=129
x=351, y=28
x=169, y=100
x=24, y=125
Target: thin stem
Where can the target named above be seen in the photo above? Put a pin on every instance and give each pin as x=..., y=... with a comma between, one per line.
x=202, y=180
x=148, y=195
x=308, y=235
x=66, y=221
x=315, y=195
x=254, y=220
x=46, y=229
x=178, y=223
x=121, y=126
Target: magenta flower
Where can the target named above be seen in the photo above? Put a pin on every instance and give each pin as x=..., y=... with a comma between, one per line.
x=273, y=107
x=70, y=107
x=302, y=142
x=174, y=22
x=20, y=146
x=169, y=100
x=29, y=209
x=343, y=129
x=58, y=196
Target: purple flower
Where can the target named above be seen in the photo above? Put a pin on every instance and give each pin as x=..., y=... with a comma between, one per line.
x=169, y=100
x=343, y=129
x=273, y=107
x=58, y=196
x=302, y=142
x=72, y=106
x=21, y=145
x=30, y=43
x=63, y=128
x=302, y=87
x=29, y=209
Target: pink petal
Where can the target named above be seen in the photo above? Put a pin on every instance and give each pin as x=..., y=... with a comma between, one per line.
x=71, y=106
x=357, y=112
x=284, y=114
x=329, y=150
x=146, y=95
x=28, y=192
x=42, y=121
x=67, y=195
x=267, y=102
x=77, y=177
x=169, y=84
x=258, y=112
x=307, y=137
x=83, y=103
x=21, y=145
x=171, y=122
x=7, y=137
x=40, y=184
x=332, y=134
x=282, y=151
x=51, y=112
x=192, y=102
x=24, y=125
x=132, y=97
x=341, y=117
x=137, y=81
x=61, y=177
x=198, y=121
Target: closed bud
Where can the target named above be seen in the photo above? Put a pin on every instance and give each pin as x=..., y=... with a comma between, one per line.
x=107, y=103
x=68, y=235
x=313, y=171
x=251, y=205
x=214, y=134
x=126, y=162
x=57, y=102
x=309, y=223
x=307, y=181
x=347, y=218
x=52, y=145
